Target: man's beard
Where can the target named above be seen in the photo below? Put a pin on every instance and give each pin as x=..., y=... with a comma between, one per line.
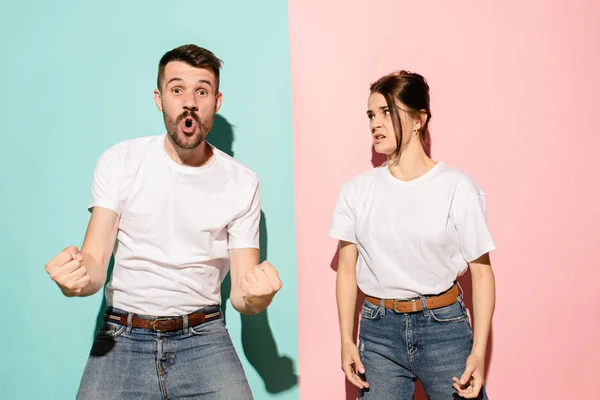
x=184, y=141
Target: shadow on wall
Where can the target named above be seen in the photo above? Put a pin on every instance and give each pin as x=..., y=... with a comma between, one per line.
x=258, y=342
x=257, y=338
x=464, y=281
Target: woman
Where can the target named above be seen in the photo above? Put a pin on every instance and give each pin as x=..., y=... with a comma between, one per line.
x=407, y=230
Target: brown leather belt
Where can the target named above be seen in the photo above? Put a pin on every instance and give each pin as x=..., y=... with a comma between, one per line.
x=167, y=324
x=408, y=306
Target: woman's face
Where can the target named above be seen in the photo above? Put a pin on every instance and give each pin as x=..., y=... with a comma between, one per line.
x=382, y=128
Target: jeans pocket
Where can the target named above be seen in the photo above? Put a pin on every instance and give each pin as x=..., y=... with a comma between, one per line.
x=106, y=338
x=110, y=329
x=370, y=311
x=452, y=313
x=209, y=328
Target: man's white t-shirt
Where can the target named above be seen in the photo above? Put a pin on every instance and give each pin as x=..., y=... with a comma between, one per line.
x=414, y=238
x=176, y=225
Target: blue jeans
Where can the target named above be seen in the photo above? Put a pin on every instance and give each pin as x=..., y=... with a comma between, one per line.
x=197, y=362
x=429, y=345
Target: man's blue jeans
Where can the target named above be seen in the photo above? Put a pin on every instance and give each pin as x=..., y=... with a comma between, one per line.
x=197, y=362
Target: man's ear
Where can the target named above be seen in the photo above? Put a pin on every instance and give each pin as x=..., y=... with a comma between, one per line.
x=158, y=100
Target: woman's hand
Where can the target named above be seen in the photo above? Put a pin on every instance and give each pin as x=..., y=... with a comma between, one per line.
x=471, y=381
x=352, y=366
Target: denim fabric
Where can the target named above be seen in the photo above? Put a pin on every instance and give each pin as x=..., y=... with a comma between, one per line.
x=197, y=362
x=397, y=349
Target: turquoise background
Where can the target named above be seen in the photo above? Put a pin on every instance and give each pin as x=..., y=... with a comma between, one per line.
x=77, y=79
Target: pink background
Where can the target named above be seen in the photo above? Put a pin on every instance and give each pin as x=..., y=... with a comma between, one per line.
x=514, y=89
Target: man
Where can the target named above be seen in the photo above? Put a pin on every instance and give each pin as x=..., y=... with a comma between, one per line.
x=178, y=214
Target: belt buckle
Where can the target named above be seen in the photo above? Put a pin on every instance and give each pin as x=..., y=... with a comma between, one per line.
x=413, y=302
x=154, y=321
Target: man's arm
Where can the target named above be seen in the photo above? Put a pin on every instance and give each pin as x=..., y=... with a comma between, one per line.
x=83, y=273
x=253, y=285
x=98, y=246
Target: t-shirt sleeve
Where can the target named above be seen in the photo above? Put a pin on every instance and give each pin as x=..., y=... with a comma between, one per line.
x=469, y=216
x=343, y=223
x=243, y=232
x=106, y=181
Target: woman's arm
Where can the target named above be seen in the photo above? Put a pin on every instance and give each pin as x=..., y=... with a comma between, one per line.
x=346, y=301
x=484, y=294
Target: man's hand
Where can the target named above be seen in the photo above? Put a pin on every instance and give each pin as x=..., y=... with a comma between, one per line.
x=471, y=381
x=67, y=271
x=259, y=286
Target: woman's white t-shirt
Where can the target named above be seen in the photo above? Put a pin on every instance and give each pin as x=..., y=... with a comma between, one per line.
x=413, y=237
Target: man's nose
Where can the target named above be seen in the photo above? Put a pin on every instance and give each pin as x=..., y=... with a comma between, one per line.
x=190, y=103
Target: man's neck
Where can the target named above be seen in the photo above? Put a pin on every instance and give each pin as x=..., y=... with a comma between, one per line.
x=196, y=157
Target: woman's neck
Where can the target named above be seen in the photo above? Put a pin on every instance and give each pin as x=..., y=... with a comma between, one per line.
x=411, y=163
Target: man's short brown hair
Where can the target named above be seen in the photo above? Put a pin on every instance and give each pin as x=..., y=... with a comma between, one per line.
x=193, y=55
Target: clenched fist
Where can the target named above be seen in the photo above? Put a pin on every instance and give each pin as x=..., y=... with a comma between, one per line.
x=67, y=271
x=259, y=286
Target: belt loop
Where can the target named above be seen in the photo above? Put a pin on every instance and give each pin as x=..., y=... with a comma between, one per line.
x=129, y=323
x=461, y=289
x=185, y=325
x=424, y=303
x=382, y=307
